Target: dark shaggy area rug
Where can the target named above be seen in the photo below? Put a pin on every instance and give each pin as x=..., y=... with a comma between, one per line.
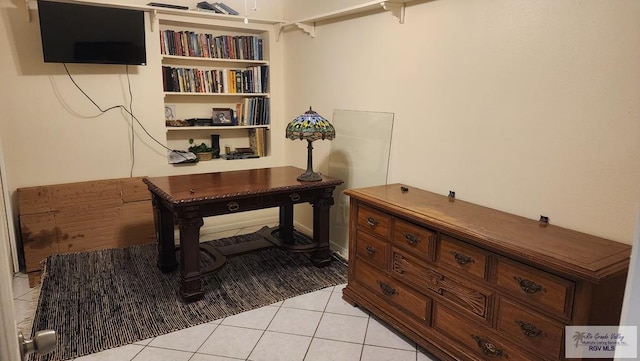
x=103, y=299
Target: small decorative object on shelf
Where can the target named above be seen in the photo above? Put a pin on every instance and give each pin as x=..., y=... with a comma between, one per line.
x=177, y=123
x=310, y=126
x=215, y=144
x=222, y=116
x=202, y=151
x=169, y=112
x=240, y=153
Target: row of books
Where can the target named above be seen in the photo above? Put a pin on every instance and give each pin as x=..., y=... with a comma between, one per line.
x=189, y=43
x=252, y=111
x=258, y=141
x=253, y=79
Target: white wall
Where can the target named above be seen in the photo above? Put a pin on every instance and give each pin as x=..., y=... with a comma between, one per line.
x=530, y=107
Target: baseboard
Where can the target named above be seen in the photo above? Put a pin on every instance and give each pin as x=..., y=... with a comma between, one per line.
x=343, y=252
x=214, y=228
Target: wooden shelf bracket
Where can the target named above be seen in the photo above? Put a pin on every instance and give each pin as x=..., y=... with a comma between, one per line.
x=278, y=29
x=153, y=19
x=309, y=29
x=396, y=9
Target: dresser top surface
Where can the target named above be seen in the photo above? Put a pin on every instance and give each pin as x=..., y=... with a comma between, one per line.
x=578, y=254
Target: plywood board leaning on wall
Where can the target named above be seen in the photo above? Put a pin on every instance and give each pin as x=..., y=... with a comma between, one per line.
x=83, y=216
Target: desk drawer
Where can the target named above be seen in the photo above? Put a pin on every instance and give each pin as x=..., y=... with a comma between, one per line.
x=253, y=202
x=374, y=222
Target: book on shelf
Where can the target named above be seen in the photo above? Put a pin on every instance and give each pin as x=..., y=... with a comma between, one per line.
x=227, y=8
x=239, y=114
x=258, y=141
x=203, y=5
x=170, y=6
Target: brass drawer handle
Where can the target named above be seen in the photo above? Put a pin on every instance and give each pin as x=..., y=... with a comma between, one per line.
x=233, y=206
x=529, y=286
x=488, y=348
x=462, y=258
x=370, y=249
x=386, y=289
x=294, y=197
x=412, y=239
x=528, y=329
x=372, y=221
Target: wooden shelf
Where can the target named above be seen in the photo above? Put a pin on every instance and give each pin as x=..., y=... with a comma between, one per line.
x=208, y=127
x=216, y=94
x=396, y=7
x=154, y=10
x=179, y=58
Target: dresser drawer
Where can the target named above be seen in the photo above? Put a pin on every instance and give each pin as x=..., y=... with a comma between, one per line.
x=530, y=329
x=372, y=249
x=410, y=236
x=467, y=296
x=392, y=291
x=482, y=341
x=463, y=257
x=548, y=291
x=374, y=221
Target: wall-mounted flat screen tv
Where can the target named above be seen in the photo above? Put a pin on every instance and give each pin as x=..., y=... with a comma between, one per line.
x=75, y=33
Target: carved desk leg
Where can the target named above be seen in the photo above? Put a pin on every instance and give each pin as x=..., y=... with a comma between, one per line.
x=163, y=218
x=321, y=256
x=190, y=222
x=285, y=230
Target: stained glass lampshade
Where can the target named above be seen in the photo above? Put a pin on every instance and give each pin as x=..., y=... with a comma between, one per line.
x=310, y=126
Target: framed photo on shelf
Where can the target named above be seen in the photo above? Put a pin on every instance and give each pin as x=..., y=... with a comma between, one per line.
x=222, y=116
x=169, y=112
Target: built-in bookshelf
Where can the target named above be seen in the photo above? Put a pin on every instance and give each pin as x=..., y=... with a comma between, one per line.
x=215, y=79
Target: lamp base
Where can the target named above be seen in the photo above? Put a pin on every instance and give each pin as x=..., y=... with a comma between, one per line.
x=310, y=176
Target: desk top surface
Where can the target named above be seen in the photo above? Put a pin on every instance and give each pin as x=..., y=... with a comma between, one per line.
x=227, y=185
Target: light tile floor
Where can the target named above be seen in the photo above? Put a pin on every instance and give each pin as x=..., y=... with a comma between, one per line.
x=317, y=326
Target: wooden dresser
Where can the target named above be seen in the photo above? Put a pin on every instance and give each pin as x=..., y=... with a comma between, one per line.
x=471, y=283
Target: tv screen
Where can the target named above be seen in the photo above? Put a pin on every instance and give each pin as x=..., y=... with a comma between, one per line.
x=74, y=33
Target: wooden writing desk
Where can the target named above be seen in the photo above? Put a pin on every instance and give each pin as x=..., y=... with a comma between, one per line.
x=188, y=198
